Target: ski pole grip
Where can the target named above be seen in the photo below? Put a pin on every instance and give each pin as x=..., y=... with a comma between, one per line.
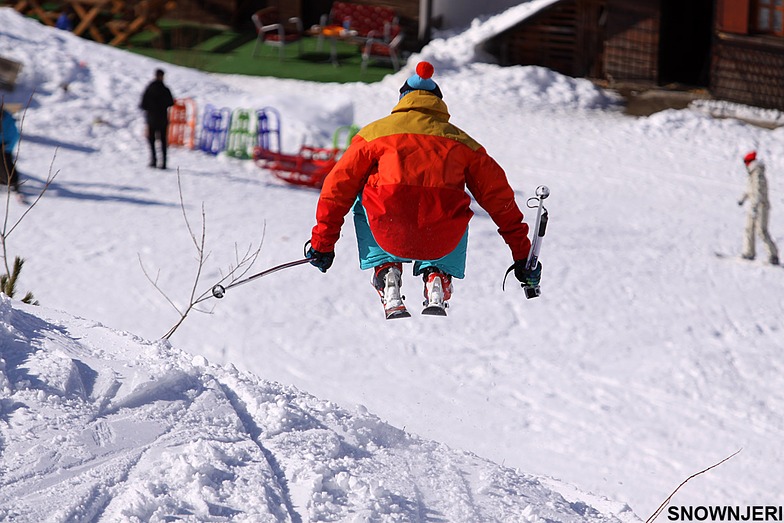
x=542, y=225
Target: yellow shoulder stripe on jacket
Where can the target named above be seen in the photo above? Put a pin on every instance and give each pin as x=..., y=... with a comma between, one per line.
x=418, y=114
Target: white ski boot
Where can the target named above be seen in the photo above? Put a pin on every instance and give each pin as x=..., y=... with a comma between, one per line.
x=387, y=280
x=438, y=289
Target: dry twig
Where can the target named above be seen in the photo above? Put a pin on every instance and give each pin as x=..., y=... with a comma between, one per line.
x=12, y=271
x=667, y=501
x=235, y=272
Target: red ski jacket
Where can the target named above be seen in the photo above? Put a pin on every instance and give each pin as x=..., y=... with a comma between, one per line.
x=412, y=169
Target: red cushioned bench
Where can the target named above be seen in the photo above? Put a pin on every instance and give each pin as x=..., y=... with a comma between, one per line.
x=369, y=21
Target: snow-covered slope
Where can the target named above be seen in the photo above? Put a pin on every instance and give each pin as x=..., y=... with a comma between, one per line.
x=100, y=425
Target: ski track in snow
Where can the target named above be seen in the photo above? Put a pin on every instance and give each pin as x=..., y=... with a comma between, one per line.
x=180, y=439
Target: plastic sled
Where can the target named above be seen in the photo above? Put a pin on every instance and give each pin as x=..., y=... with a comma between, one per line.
x=242, y=134
x=215, y=129
x=268, y=126
x=182, y=123
x=308, y=168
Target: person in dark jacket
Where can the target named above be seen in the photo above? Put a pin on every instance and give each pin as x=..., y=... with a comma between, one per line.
x=156, y=100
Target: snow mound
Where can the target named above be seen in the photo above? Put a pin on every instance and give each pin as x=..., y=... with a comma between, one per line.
x=102, y=425
x=460, y=47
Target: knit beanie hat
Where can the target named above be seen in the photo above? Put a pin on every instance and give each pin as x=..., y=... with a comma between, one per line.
x=750, y=157
x=421, y=81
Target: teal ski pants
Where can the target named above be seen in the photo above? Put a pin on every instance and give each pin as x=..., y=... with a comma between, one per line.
x=371, y=255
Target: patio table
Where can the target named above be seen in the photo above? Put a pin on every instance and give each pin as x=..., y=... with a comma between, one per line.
x=334, y=33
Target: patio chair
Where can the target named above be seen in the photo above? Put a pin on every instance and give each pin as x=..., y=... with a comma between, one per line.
x=271, y=30
x=378, y=49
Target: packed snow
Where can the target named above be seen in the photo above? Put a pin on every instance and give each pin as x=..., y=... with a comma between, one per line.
x=646, y=359
x=101, y=425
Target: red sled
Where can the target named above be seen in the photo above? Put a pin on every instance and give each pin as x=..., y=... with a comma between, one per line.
x=308, y=168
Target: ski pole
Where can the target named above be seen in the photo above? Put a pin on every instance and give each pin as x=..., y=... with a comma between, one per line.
x=219, y=290
x=542, y=192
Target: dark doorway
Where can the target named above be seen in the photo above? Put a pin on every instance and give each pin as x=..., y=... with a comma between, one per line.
x=312, y=10
x=685, y=44
x=241, y=21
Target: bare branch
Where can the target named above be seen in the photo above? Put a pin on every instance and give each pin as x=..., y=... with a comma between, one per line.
x=175, y=327
x=49, y=179
x=11, y=171
x=155, y=284
x=236, y=273
x=667, y=501
x=199, y=247
x=199, y=242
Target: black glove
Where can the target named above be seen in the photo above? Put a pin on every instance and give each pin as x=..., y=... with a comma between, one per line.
x=322, y=260
x=528, y=277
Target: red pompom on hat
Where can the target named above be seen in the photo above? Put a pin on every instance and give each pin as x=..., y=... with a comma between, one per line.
x=425, y=70
x=421, y=80
x=750, y=157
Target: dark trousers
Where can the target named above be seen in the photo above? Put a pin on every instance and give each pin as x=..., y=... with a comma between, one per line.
x=8, y=172
x=157, y=133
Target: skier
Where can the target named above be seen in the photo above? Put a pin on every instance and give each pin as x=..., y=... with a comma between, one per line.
x=9, y=136
x=757, y=220
x=405, y=176
x=156, y=100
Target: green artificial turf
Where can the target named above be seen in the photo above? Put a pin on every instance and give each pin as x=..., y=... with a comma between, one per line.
x=223, y=51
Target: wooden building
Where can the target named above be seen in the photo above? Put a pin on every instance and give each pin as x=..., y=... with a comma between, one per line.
x=732, y=48
x=748, y=53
